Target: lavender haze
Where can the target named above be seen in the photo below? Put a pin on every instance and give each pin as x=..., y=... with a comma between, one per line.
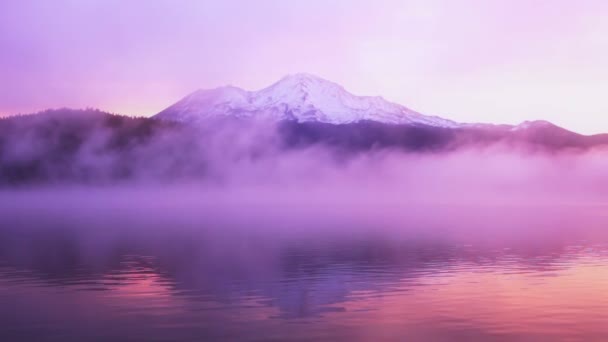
x=467, y=60
x=303, y=209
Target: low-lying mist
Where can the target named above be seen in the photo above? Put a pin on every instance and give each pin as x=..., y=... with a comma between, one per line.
x=108, y=173
x=76, y=148
x=306, y=188
x=216, y=204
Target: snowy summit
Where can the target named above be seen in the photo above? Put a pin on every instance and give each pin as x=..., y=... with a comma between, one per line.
x=300, y=97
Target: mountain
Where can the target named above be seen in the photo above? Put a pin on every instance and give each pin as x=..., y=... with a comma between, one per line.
x=308, y=107
x=91, y=146
x=299, y=97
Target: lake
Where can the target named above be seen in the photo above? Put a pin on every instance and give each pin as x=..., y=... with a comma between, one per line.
x=89, y=268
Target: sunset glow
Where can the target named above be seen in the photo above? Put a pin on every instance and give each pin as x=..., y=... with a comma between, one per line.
x=303, y=170
x=470, y=60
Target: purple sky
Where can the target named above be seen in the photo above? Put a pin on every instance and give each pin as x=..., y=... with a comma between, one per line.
x=466, y=60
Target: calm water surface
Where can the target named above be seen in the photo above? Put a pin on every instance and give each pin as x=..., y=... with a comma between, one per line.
x=62, y=281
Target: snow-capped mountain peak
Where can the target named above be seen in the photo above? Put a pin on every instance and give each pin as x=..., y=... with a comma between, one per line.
x=301, y=97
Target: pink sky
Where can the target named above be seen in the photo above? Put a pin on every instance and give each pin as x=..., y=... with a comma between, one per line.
x=466, y=60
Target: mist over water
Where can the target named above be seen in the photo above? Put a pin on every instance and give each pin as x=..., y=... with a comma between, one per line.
x=486, y=242
x=67, y=147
